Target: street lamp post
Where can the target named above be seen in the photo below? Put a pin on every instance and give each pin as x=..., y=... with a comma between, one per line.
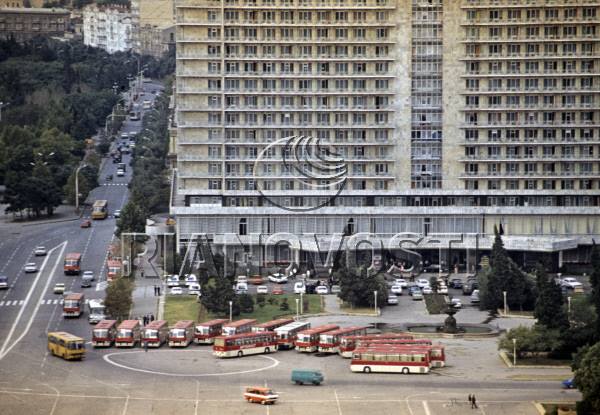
x=514, y=340
x=569, y=308
x=297, y=309
x=77, y=186
x=230, y=310
x=302, y=301
x=375, y=295
x=505, y=306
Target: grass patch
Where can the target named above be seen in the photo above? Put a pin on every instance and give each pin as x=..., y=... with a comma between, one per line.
x=534, y=377
x=435, y=303
x=539, y=361
x=181, y=308
x=347, y=307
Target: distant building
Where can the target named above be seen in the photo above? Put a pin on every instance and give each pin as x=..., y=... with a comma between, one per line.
x=155, y=40
x=11, y=3
x=107, y=27
x=153, y=24
x=26, y=23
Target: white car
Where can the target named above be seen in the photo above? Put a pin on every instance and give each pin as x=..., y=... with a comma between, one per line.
x=117, y=213
x=191, y=278
x=392, y=299
x=262, y=289
x=241, y=288
x=176, y=291
x=396, y=289
x=40, y=251
x=88, y=275
x=321, y=289
x=173, y=281
x=570, y=282
x=427, y=290
x=278, y=278
x=124, y=135
x=30, y=267
x=336, y=289
x=401, y=282
x=422, y=282
x=455, y=303
x=242, y=278
x=194, y=288
x=442, y=289
x=299, y=288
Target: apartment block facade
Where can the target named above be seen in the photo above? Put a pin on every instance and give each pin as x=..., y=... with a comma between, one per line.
x=452, y=116
x=108, y=27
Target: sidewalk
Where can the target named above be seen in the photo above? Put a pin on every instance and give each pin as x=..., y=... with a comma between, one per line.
x=62, y=213
x=144, y=300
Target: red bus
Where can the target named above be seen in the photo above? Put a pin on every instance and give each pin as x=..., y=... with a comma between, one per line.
x=73, y=304
x=348, y=343
x=114, y=269
x=286, y=335
x=437, y=351
x=403, y=359
x=155, y=333
x=103, y=335
x=272, y=325
x=308, y=340
x=206, y=332
x=239, y=345
x=238, y=327
x=72, y=265
x=181, y=334
x=330, y=342
x=128, y=333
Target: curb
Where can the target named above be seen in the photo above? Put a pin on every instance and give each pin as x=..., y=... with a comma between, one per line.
x=50, y=221
x=502, y=315
x=508, y=362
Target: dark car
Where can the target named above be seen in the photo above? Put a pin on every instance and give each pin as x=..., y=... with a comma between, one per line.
x=569, y=383
x=469, y=287
x=86, y=223
x=413, y=289
x=455, y=283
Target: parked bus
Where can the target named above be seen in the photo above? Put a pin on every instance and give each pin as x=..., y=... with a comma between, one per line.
x=128, y=333
x=100, y=209
x=391, y=359
x=238, y=327
x=72, y=264
x=308, y=340
x=96, y=311
x=330, y=342
x=66, y=345
x=114, y=269
x=155, y=333
x=104, y=334
x=348, y=343
x=73, y=304
x=272, y=325
x=239, y=345
x=181, y=334
x=286, y=335
x=206, y=332
x=437, y=353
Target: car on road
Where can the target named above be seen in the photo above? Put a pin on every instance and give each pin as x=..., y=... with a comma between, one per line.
x=40, y=251
x=173, y=281
x=427, y=290
x=242, y=278
x=59, y=288
x=86, y=223
x=176, y=291
x=401, y=282
x=442, y=289
x=191, y=278
x=392, y=299
x=455, y=283
x=299, y=287
x=120, y=173
x=277, y=291
x=278, y=278
x=568, y=383
x=117, y=213
x=336, y=289
x=396, y=289
x=132, y=145
x=30, y=267
x=417, y=296
x=570, y=282
x=259, y=394
x=256, y=280
x=194, y=288
x=321, y=289
x=262, y=289
x=455, y=303
x=412, y=289
x=89, y=275
x=422, y=282
x=475, y=297
x=3, y=281
x=241, y=288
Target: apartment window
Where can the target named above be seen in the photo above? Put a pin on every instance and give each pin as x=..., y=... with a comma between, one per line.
x=533, y=14
x=381, y=84
x=514, y=14
x=359, y=16
x=381, y=33
x=494, y=15
x=213, y=50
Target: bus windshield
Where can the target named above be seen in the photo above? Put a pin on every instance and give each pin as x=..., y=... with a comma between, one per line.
x=327, y=338
x=71, y=303
x=228, y=331
x=304, y=337
x=220, y=342
x=75, y=345
x=202, y=330
x=150, y=333
x=71, y=262
x=125, y=333
x=100, y=332
x=178, y=332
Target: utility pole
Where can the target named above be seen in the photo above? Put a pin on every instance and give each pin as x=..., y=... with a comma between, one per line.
x=77, y=186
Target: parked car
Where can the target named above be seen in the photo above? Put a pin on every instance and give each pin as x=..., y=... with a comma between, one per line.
x=469, y=287
x=242, y=278
x=256, y=280
x=422, y=282
x=442, y=289
x=278, y=278
x=40, y=251
x=117, y=213
x=412, y=289
x=3, y=281
x=173, y=281
x=124, y=136
x=321, y=289
x=259, y=394
x=86, y=223
x=427, y=290
x=30, y=267
x=299, y=288
x=277, y=291
x=475, y=297
x=396, y=289
x=401, y=282
x=302, y=376
x=194, y=288
x=455, y=303
x=336, y=289
x=392, y=299
x=262, y=289
x=59, y=288
x=570, y=282
x=120, y=173
x=190, y=278
x=241, y=288
x=455, y=283
x=417, y=296
x=176, y=291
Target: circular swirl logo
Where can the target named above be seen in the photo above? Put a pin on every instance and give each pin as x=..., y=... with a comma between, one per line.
x=305, y=164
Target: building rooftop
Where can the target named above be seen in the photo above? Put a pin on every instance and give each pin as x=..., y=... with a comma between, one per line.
x=26, y=10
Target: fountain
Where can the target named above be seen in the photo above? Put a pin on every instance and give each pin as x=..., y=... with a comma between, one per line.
x=450, y=325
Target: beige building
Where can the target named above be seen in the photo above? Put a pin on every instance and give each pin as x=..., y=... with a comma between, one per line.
x=26, y=23
x=468, y=107
x=153, y=26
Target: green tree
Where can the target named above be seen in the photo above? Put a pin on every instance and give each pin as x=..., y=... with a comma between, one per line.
x=133, y=219
x=284, y=306
x=587, y=377
x=118, y=298
x=357, y=287
x=531, y=340
x=246, y=303
x=549, y=308
x=217, y=295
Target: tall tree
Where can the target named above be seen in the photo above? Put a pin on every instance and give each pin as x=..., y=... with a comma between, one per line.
x=549, y=307
x=587, y=378
x=492, y=298
x=133, y=219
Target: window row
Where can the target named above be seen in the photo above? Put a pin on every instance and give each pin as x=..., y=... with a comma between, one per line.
x=306, y=102
x=586, y=151
x=548, y=14
x=531, y=184
x=530, y=49
x=282, y=85
x=537, y=84
x=318, y=68
x=515, y=67
x=268, y=118
x=547, y=134
x=268, y=135
x=494, y=118
x=289, y=51
x=297, y=16
x=306, y=33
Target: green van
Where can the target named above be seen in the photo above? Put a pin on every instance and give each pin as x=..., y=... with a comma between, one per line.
x=302, y=376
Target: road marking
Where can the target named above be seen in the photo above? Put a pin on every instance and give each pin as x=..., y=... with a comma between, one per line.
x=426, y=408
x=197, y=403
x=1, y=303
x=337, y=400
x=100, y=286
x=4, y=351
x=21, y=302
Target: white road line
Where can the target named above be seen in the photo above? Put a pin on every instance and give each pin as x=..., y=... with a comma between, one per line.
x=21, y=302
x=54, y=302
x=4, y=349
x=1, y=303
x=426, y=408
x=197, y=403
x=337, y=400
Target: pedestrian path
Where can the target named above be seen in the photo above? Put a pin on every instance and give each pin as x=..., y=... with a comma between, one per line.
x=49, y=301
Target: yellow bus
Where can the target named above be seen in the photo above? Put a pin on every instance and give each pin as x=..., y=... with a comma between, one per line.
x=66, y=345
x=100, y=209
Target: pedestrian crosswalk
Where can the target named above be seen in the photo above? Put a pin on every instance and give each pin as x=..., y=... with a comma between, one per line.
x=114, y=184
x=49, y=301
x=101, y=285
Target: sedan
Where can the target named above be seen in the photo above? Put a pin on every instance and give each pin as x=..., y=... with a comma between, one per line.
x=456, y=283
x=59, y=288
x=396, y=289
x=262, y=289
x=173, y=281
x=176, y=291
x=392, y=299
x=417, y=296
x=40, y=251
x=321, y=289
x=30, y=267
x=422, y=282
x=194, y=288
x=278, y=278
x=401, y=282
x=89, y=275
x=190, y=279
x=442, y=289
x=455, y=303
x=117, y=213
x=426, y=290
x=413, y=289
x=570, y=282
x=86, y=223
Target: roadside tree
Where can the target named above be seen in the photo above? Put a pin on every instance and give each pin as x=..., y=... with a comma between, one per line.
x=587, y=378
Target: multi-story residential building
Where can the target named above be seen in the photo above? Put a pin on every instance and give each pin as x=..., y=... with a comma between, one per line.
x=23, y=24
x=107, y=27
x=153, y=26
x=451, y=116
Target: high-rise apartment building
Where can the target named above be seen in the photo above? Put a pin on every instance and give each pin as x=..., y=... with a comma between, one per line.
x=451, y=117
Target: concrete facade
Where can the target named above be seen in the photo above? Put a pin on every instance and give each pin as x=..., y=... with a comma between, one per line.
x=107, y=27
x=26, y=23
x=153, y=26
